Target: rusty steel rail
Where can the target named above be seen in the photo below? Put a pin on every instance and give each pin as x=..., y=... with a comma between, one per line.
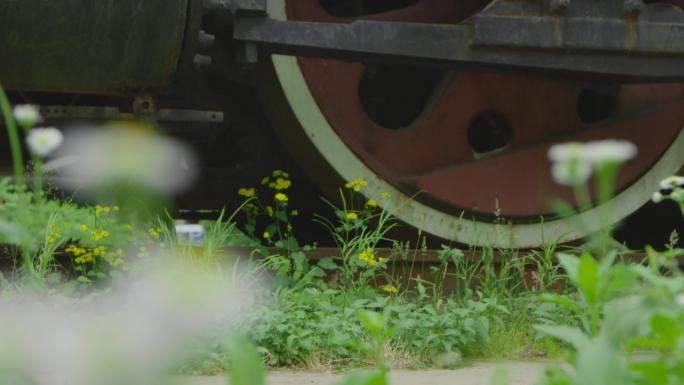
x=417, y=255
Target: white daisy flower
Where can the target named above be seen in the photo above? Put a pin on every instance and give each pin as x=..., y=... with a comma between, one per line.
x=672, y=182
x=569, y=164
x=566, y=151
x=609, y=151
x=657, y=197
x=571, y=172
x=43, y=141
x=27, y=115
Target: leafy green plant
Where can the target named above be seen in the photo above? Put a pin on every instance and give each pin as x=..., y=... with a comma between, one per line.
x=357, y=230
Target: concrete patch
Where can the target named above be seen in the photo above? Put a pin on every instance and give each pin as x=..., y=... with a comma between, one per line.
x=519, y=373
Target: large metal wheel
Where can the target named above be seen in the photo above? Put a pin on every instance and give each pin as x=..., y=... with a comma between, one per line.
x=458, y=151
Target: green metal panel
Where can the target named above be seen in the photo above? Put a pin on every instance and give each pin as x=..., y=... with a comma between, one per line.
x=90, y=46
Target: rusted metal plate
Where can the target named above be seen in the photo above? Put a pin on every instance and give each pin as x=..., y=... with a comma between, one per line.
x=87, y=46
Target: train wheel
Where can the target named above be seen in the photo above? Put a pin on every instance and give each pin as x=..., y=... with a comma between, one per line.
x=458, y=151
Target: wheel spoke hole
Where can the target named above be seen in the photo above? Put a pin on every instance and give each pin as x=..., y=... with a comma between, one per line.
x=488, y=133
x=596, y=104
x=395, y=97
x=355, y=8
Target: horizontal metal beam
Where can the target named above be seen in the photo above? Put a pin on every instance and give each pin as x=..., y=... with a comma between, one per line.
x=464, y=45
x=113, y=113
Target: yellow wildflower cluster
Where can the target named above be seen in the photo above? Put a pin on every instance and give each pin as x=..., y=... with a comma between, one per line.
x=389, y=289
x=281, y=197
x=370, y=258
x=54, y=234
x=82, y=254
x=371, y=203
x=247, y=192
x=356, y=184
x=154, y=232
x=384, y=194
x=281, y=184
x=99, y=210
x=89, y=255
x=96, y=235
x=266, y=235
x=352, y=216
x=279, y=180
x=83, y=227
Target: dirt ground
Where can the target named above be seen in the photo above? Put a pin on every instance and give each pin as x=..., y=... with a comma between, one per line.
x=519, y=373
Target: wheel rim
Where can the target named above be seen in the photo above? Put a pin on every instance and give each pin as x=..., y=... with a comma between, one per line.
x=660, y=158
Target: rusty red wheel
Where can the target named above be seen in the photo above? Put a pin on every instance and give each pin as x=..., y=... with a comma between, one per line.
x=472, y=141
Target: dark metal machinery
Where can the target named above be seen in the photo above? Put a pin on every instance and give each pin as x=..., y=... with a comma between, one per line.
x=457, y=100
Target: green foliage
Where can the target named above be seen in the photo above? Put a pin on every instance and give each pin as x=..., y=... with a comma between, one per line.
x=246, y=366
x=300, y=324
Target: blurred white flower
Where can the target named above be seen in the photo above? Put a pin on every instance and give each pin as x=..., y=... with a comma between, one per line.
x=569, y=164
x=573, y=162
x=566, y=151
x=43, y=141
x=571, y=172
x=27, y=115
x=680, y=299
x=135, y=335
x=609, y=151
x=657, y=197
x=672, y=182
x=130, y=153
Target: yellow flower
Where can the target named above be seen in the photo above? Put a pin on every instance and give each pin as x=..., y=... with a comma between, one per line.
x=368, y=256
x=84, y=227
x=371, y=203
x=266, y=235
x=117, y=209
x=381, y=259
x=282, y=184
x=107, y=210
x=281, y=197
x=85, y=258
x=384, y=195
x=294, y=213
x=127, y=227
x=154, y=233
x=356, y=184
x=277, y=173
x=247, y=192
x=265, y=180
x=389, y=289
x=352, y=216
x=98, y=209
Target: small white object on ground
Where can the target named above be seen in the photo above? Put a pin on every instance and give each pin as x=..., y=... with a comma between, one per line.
x=191, y=233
